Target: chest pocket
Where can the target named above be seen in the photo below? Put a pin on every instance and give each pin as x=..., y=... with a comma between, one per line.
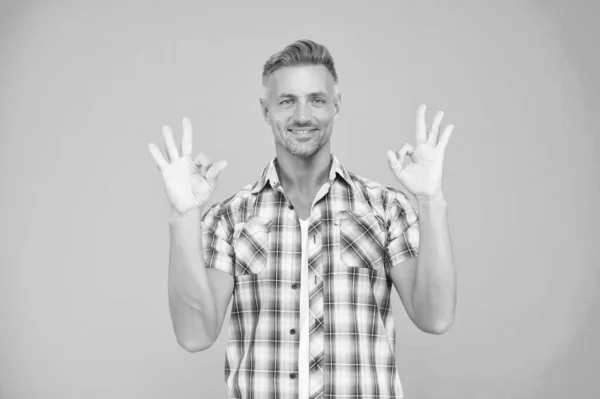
x=250, y=245
x=362, y=240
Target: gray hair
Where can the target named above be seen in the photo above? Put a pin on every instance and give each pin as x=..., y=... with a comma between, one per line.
x=301, y=52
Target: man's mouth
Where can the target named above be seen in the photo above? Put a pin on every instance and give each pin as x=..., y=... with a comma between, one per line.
x=302, y=131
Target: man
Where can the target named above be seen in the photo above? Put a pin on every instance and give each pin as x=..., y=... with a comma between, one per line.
x=309, y=251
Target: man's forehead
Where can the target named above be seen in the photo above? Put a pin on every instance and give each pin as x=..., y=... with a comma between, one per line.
x=302, y=80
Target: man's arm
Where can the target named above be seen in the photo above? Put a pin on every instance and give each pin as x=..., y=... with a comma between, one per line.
x=198, y=297
x=197, y=300
x=427, y=289
x=427, y=284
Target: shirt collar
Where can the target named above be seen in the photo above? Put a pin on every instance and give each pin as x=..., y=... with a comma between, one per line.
x=269, y=174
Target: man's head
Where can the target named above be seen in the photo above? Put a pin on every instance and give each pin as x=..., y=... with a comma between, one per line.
x=301, y=97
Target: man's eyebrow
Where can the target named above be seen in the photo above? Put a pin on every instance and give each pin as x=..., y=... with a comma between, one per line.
x=313, y=94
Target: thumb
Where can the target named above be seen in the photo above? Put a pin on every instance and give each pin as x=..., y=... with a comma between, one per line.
x=214, y=171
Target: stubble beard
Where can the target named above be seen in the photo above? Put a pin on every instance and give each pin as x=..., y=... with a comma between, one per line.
x=302, y=149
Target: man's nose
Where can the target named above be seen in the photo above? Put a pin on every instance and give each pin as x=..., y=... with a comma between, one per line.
x=302, y=113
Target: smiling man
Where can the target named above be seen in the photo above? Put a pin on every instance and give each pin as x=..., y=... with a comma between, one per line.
x=309, y=251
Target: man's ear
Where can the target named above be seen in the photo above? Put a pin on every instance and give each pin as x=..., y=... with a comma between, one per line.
x=265, y=110
x=338, y=105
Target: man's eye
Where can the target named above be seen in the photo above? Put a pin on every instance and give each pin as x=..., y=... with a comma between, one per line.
x=285, y=101
x=322, y=101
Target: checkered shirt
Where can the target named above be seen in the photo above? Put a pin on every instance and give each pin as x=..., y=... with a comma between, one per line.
x=358, y=231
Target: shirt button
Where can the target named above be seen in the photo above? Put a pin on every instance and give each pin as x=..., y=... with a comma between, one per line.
x=291, y=206
x=293, y=375
x=293, y=331
x=294, y=286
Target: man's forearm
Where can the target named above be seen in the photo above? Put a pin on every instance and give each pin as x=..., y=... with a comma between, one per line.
x=434, y=291
x=191, y=302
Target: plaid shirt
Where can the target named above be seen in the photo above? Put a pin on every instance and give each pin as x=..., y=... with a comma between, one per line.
x=358, y=231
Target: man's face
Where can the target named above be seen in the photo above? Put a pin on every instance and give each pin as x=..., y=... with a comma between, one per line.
x=301, y=107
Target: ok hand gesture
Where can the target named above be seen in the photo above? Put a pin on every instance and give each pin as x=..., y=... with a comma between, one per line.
x=188, y=184
x=423, y=177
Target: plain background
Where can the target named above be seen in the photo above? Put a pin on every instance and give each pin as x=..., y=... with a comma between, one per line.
x=85, y=86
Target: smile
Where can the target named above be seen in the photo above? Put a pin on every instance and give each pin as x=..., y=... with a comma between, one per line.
x=302, y=131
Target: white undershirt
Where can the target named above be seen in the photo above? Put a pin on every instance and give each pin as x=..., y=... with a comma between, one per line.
x=303, y=355
x=303, y=380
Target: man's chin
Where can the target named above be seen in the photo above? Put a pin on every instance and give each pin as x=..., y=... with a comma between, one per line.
x=305, y=152
x=301, y=149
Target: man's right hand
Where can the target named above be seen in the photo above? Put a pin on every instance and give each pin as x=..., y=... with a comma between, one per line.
x=188, y=184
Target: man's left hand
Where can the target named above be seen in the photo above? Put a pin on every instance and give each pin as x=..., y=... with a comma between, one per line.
x=423, y=177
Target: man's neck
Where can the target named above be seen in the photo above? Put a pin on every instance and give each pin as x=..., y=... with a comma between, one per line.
x=303, y=176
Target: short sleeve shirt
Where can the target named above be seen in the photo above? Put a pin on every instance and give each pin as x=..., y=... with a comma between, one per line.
x=358, y=231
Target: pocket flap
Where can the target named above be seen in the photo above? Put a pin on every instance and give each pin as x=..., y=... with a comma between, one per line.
x=250, y=245
x=361, y=239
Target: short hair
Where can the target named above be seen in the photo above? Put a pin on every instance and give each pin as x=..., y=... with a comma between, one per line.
x=301, y=52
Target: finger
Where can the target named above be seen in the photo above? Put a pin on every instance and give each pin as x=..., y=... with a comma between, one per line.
x=186, y=140
x=156, y=154
x=406, y=149
x=421, y=125
x=393, y=162
x=445, y=137
x=202, y=159
x=170, y=144
x=435, y=128
x=215, y=170
x=203, y=162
